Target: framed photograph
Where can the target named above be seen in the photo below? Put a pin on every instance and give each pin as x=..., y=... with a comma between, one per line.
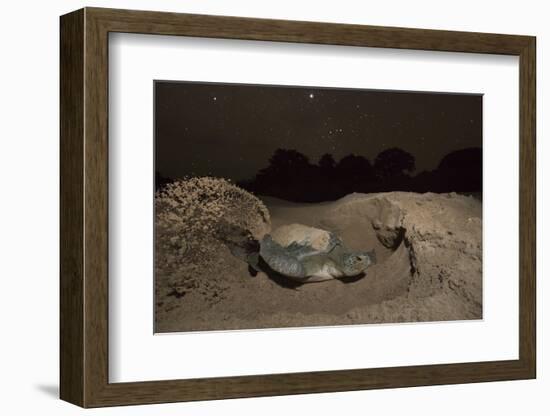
x=255, y=207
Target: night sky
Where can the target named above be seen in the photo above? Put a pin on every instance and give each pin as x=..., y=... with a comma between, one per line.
x=231, y=130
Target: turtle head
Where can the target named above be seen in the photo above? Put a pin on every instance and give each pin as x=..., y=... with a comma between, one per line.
x=357, y=262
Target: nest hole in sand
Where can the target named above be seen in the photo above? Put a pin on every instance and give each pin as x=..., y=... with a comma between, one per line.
x=364, y=223
x=374, y=223
x=368, y=223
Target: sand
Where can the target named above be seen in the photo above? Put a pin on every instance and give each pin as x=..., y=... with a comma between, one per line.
x=429, y=254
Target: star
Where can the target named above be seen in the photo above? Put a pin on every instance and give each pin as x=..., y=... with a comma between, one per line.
x=215, y=98
x=311, y=95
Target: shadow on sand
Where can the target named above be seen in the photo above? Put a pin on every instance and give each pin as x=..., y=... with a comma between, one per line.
x=288, y=283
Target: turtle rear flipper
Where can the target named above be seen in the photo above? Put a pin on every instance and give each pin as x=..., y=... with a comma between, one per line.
x=242, y=245
x=253, y=261
x=253, y=271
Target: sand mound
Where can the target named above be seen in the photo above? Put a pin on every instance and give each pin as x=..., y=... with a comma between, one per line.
x=195, y=218
x=442, y=234
x=429, y=268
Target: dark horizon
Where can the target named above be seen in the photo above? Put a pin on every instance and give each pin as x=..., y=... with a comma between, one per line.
x=232, y=130
x=292, y=177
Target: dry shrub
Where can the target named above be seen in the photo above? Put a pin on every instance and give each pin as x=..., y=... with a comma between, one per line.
x=191, y=216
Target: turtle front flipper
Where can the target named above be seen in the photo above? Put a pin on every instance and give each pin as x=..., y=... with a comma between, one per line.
x=334, y=241
x=253, y=261
x=279, y=259
x=300, y=250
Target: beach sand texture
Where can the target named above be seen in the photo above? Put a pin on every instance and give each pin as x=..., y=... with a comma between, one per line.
x=429, y=268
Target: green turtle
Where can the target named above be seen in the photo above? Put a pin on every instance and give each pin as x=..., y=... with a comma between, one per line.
x=308, y=254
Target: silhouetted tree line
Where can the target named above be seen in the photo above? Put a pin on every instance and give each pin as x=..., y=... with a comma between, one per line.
x=291, y=176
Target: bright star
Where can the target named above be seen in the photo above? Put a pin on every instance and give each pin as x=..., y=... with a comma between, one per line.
x=215, y=98
x=311, y=95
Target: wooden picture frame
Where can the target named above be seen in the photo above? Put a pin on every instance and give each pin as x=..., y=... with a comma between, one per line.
x=84, y=207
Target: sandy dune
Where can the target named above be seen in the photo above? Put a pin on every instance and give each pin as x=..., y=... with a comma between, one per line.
x=429, y=269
